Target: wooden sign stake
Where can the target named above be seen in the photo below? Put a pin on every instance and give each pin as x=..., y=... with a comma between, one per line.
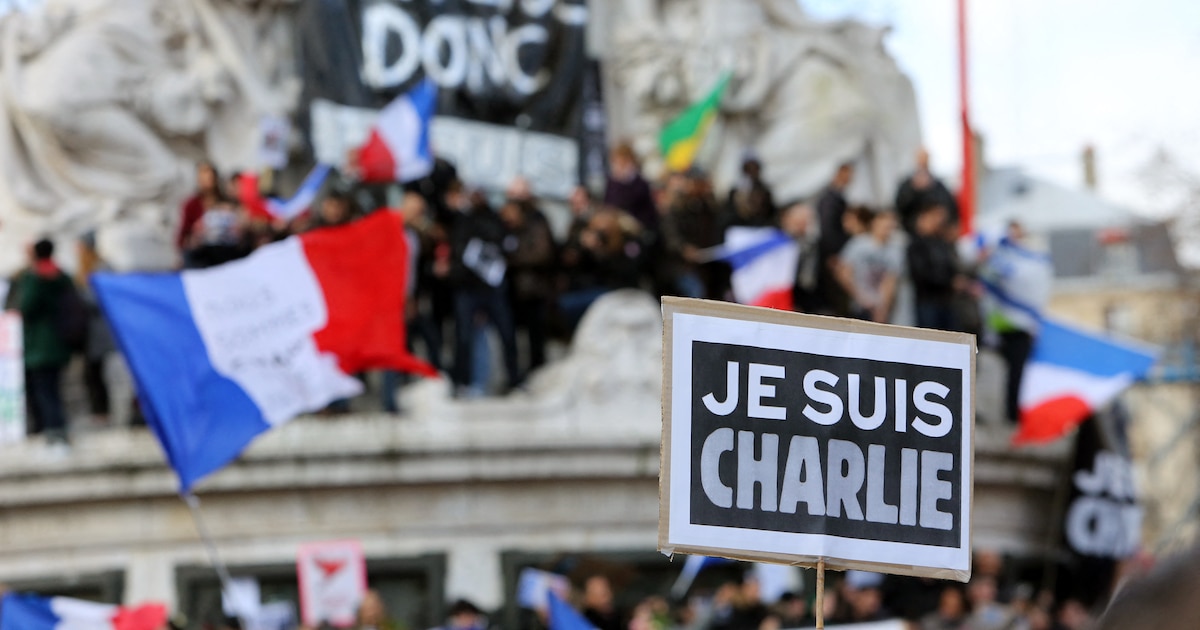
x=819, y=602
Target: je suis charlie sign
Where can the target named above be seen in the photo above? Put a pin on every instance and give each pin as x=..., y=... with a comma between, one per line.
x=793, y=438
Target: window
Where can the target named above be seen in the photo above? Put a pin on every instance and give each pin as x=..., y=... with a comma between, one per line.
x=412, y=589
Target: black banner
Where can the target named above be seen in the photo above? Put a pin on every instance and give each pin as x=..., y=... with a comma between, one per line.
x=796, y=442
x=1102, y=524
x=516, y=63
x=1103, y=517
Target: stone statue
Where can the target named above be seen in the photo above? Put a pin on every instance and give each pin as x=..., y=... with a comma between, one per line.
x=804, y=95
x=106, y=105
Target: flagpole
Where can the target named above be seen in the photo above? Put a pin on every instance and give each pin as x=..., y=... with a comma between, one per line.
x=966, y=192
x=214, y=558
x=819, y=600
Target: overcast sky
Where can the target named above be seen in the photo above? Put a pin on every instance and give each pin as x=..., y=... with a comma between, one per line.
x=1049, y=77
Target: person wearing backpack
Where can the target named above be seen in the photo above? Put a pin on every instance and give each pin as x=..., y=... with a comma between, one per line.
x=54, y=320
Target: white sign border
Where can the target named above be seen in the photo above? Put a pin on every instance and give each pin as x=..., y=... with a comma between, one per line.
x=687, y=321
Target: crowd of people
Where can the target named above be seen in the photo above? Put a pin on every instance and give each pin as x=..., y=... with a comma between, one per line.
x=990, y=601
x=495, y=262
x=483, y=263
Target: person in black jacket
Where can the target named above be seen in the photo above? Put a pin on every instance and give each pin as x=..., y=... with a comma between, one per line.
x=531, y=254
x=933, y=268
x=831, y=217
x=921, y=190
x=750, y=201
x=479, y=274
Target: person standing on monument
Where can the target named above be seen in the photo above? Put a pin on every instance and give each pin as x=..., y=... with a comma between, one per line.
x=690, y=226
x=870, y=269
x=208, y=194
x=831, y=210
x=479, y=274
x=921, y=190
x=531, y=254
x=628, y=190
x=933, y=266
x=750, y=201
x=51, y=312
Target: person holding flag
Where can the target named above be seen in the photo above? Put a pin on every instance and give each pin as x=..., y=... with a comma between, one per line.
x=1017, y=282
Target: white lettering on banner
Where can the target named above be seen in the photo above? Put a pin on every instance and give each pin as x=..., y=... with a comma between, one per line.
x=1099, y=527
x=486, y=155
x=1105, y=520
x=878, y=510
x=827, y=397
x=1110, y=474
x=873, y=421
x=822, y=396
x=718, y=442
x=725, y=407
x=257, y=317
x=847, y=473
x=759, y=471
x=760, y=390
x=458, y=51
x=802, y=477
x=491, y=156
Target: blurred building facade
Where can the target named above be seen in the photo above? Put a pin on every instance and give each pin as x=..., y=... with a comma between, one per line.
x=1118, y=272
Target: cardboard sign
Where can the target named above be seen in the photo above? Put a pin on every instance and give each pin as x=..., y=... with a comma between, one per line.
x=788, y=438
x=333, y=581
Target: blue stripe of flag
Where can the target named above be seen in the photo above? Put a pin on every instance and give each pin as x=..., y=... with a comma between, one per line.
x=1066, y=346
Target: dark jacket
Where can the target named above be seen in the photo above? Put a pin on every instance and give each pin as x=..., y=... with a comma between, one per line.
x=750, y=204
x=692, y=221
x=531, y=257
x=38, y=298
x=932, y=265
x=634, y=197
x=911, y=200
x=831, y=208
x=479, y=224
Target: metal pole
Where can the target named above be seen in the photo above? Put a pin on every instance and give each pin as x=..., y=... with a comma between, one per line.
x=193, y=503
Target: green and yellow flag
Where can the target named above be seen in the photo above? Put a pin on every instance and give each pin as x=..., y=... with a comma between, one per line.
x=681, y=138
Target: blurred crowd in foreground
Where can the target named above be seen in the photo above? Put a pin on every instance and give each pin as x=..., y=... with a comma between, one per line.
x=989, y=601
x=488, y=268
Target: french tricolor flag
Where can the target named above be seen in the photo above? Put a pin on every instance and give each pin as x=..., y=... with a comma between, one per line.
x=221, y=355
x=32, y=612
x=764, y=265
x=284, y=209
x=1070, y=375
x=398, y=148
